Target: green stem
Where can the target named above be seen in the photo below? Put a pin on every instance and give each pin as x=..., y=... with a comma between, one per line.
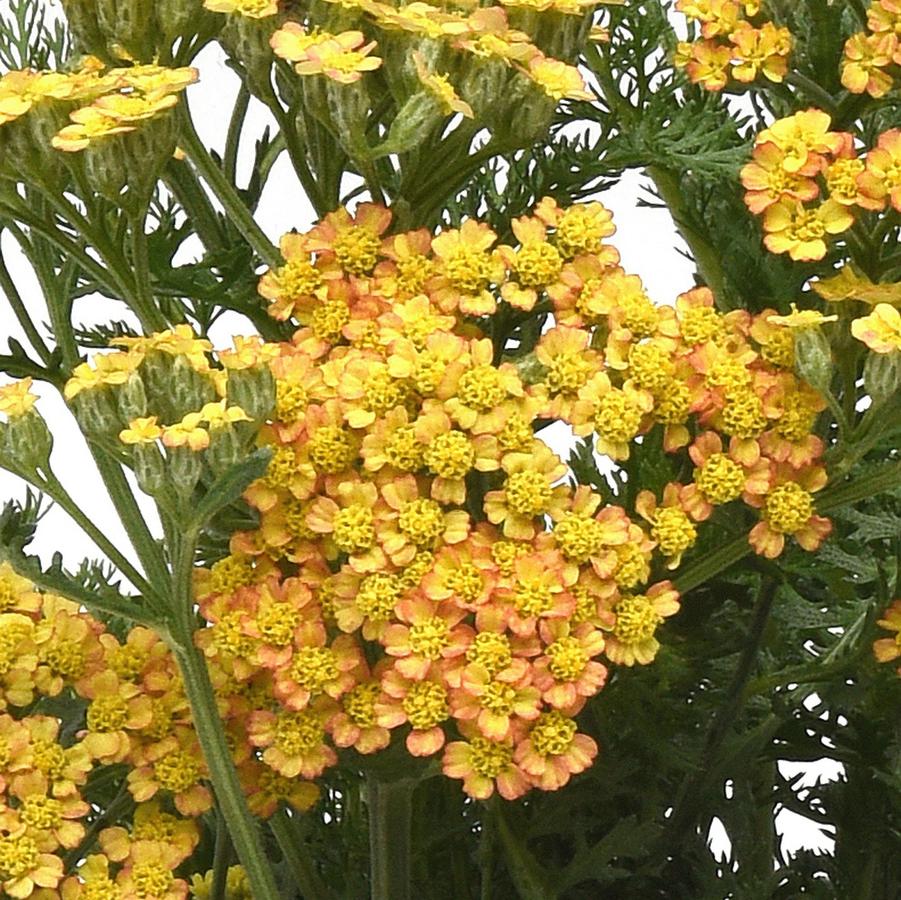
x=390, y=819
x=225, y=192
x=55, y=490
x=823, y=99
x=21, y=313
x=703, y=569
x=148, y=313
x=308, y=880
x=120, y=803
x=221, y=859
x=233, y=136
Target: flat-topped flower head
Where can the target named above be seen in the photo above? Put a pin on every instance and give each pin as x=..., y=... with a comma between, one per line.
x=343, y=58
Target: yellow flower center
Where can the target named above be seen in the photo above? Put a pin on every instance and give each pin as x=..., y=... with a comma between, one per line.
x=425, y=705
x=356, y=248
x=295, y=513
x=468, y=270
x=779, y=348
x=65, y=659
x=128, y=660
x=586, y=605
x=672, y=402
x=382, y=392
x=516, y=435
x=331, y=450
x=579, y=537
x=450, y=455
x=297, y=733
x=282, y=468
x=465, y=580
x=504, y=554
x=841, y=178
x=650, y=366
x=314, y=668
x=422, y=522
x=700, y=324
x=568, y=372
x=580, y=231
x=5, y=753
x=618, y=418
x=7, y=596
x=636, y=619
x=359, y=704
x=18, y=856
x=429, y=638
x=291, y=401
x=727, y=373
x=787, y=508
x=498, y=698
x=743, y=414
x=354, y=529
x=537, y=264
x=413, y=573
x=298, y=278
x=160, y=719
x=329, y=318
x=528, y=493
x=566, y=659
x=797, y=419
x=481, y=388
x=48, y=757
x=227, y=575
x=42, y=813
x=807, y=226
x=552, y=734
x=638, y=313
x=490, y=650
x=12, y=635
x=402, y=450
x=107, y=714
x=720, y=479
x=151, y=880
x=533, y=598
x=277, y=622
x=429, y=371
x=673, y=531
x=378, y=595
x=632, y=566
x=228, y=635
x=489, y=758
x=177, y=771
x=413, y=272
x=159, y=827
x=100, y=888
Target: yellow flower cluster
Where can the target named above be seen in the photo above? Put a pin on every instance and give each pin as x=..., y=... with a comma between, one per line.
x=100, y=101
x=730, y=47
x=806, y=181
x=483, y=34
x=888, y=649
x=129, y=697
x=870, y=56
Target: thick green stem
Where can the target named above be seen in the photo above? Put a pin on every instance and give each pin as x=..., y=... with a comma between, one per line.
x=142, y=300
x=243, y=827
x=226, y=193
x=390, y=819
x=8, y=286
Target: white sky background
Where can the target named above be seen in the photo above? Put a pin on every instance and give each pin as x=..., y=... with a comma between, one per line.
x=646, y=238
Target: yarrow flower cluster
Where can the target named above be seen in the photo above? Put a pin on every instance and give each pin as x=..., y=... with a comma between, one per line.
x=870, y=56
x=133, y=712
x=730, y=46
x=100, y=102
x=888, y=649
x=806, y=181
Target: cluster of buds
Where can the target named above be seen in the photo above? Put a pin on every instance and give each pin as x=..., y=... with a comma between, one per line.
x=806, y=182
x=123, y=704
x=432, y=62
x=421, y=560
x=730, y=46
x=168, y=412
x=870, y=56
x=86, y=108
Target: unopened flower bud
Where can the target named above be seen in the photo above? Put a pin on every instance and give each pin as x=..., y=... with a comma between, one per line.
x=185, y=467
x=247, y=40
x=412, y=124
x=127, y=24
x=96, y=413
x=253, y=389
x=149, y=468
x=26, y=442
x=813, y=358
x=106, y=167
x=882, y=375
x=226, y=448
x=131, y=398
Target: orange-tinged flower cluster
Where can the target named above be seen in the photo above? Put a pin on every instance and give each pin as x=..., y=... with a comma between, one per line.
x=421, y=561
x=730, y=47
x=870, y=56
x=128, y=697
x=806, y=181
x=103, y=102
x=482, y=34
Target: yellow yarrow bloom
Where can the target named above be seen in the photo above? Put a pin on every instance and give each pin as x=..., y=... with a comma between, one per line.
x=292, y=41
x=252, y=9
x=881, y=330
x=143, y=430
x=557, y=79
x=20, y=90
x=16, y=398
x=802, y=318
x=441, y=89
x=343, y=58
